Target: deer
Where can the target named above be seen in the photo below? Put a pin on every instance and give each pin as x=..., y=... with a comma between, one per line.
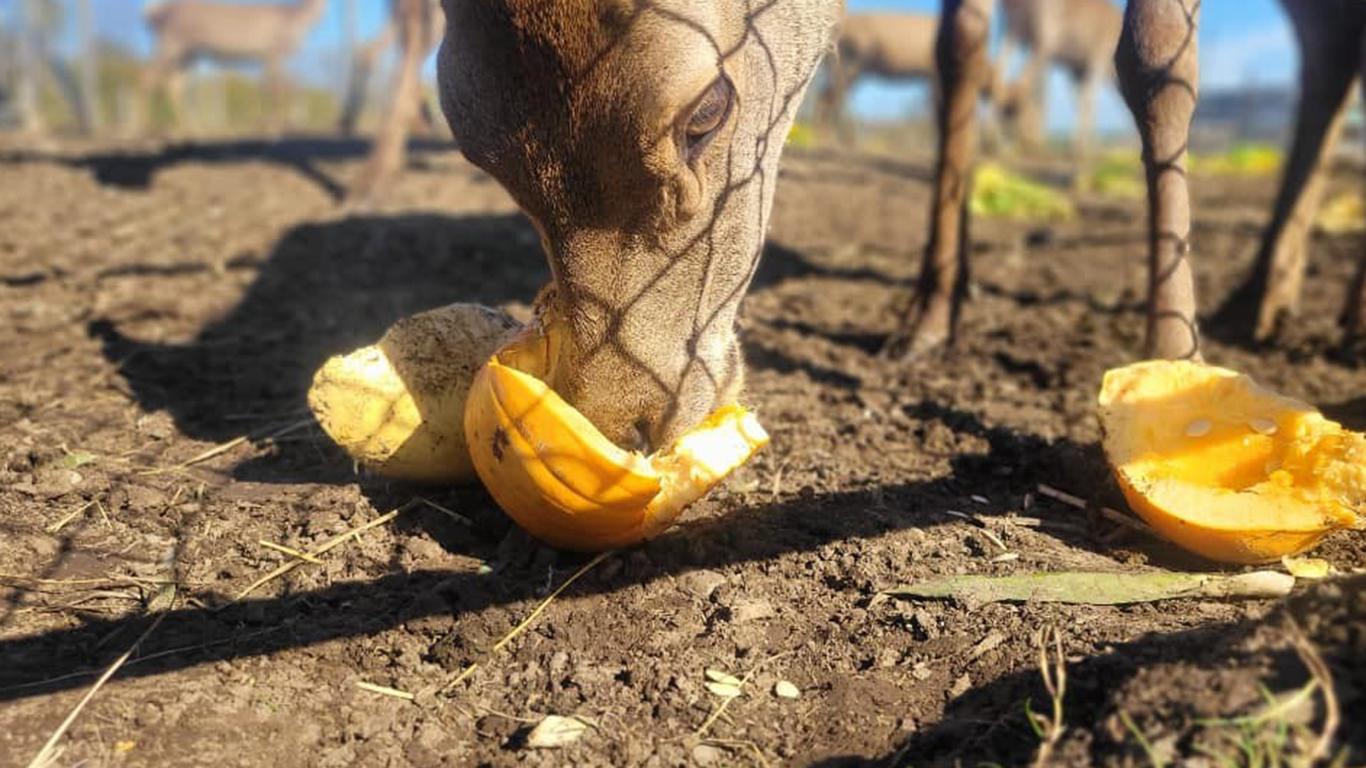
x=1157, y=67
x=650, y=186
x=1079, y=35
x=1158, y=71
x=418, y=26
x=641, y=138
x=896, y=46
x=186, y=30
x=1330, y=42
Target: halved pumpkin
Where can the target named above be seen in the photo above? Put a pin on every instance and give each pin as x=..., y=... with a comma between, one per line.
x=1225, y=468
x=555, y=474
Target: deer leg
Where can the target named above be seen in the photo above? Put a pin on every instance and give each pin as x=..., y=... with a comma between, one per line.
x=830, y=92
x=1086, y=104
x=1030, y=91
x=275, y=92
x=1158, y=67
x=1353, y=316
x=153, y=79
x=386, y=156
x=1272, y=289
x=175, y=94
x=362, y=64
x=964, y=70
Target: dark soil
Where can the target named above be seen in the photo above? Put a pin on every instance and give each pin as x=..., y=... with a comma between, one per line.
x=157, y=303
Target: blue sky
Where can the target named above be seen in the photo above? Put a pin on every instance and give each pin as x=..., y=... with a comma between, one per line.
x=1241, y=41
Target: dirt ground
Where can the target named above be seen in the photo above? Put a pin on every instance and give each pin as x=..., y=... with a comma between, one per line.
x=157, y=303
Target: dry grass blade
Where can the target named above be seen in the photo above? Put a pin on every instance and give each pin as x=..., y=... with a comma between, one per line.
x=72, y=515
x=1114, y=516
x=452, y=514
x=47, y=754
x=1313, y=661
x=222, y=448
x=141, y=659
x=1054, y=671
x=384, y=690
x=289, y=551
x=531, y=618
x=325, y=547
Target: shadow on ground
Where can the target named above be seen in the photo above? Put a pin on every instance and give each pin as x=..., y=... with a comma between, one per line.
x=1162, y=683
x=136, y=168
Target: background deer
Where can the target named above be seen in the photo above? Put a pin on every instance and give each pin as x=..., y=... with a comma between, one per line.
x=1329, y=34
x=417, y=26
x=1079, y=35
x=1158, y=71
x=896, y=46
x=187, y=30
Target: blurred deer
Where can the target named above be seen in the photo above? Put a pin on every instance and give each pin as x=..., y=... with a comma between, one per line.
x=965, y=71
x=1330, y=37
x=186, y=30
x=896, y=46
x=1158, y=71
x=363, y=61
x=417, y=25
x=1079, y=35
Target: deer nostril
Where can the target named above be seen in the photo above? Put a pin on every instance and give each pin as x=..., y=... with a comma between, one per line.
x=640, y=436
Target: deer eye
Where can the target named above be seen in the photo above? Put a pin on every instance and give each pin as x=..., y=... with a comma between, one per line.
x=709, y=114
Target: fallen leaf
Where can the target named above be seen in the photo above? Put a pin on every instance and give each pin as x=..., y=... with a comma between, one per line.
x=1098, y=588
x=555, y=731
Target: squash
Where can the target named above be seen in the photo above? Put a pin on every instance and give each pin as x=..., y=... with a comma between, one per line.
x=555, y=474
x=1225, y=468
x=398, y=406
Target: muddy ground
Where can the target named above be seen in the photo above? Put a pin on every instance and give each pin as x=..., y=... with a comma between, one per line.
x=157, y=303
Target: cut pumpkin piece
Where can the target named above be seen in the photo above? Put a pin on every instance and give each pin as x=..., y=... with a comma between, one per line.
x=1225, y=468
x=559, y=478
x=396, y=406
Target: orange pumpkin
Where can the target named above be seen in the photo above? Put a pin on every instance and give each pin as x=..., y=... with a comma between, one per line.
x=555, y=474
x=1225, y=468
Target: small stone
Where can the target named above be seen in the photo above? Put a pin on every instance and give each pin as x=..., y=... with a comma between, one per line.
x=961, y=686
x=921, y=671
x=752, y=610
x=559, y=663
x=705, y=754
x=1263, y=426
x=1199, y=428
x=701, y=583
x=786, y=690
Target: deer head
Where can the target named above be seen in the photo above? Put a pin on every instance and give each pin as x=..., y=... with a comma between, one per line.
x=642, y=138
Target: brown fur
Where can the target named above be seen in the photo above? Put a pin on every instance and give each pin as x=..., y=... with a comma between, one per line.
x=576, y=106
x=964, y=72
